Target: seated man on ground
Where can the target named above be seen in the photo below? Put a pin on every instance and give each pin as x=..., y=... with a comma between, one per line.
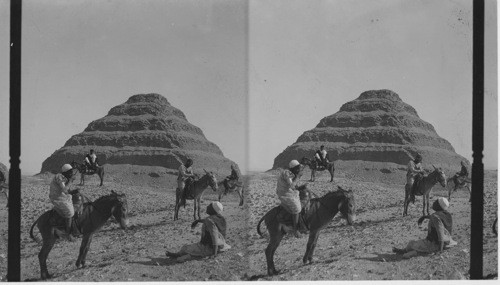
x=213, y=236
x=438, y=232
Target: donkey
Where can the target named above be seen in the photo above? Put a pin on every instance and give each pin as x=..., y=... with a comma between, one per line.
x=83, y=171
x=92, y=218
x=313, y=165
x=233, y=185
x=194, y=192
x=320, y=212
x=424, y=189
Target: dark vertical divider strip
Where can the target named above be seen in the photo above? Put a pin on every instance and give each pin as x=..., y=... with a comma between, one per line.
x=476, y=241
x=14, y=248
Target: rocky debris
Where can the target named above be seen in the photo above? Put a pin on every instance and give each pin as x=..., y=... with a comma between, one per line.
x=377, y=127
x=145, y=130
x=5, y=171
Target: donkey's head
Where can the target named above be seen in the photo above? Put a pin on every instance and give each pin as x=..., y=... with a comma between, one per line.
x=212, y=180
x=347, y=205
x=441, y=177
x=120, y=209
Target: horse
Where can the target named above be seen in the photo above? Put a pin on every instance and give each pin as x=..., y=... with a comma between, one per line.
x=83, y=171
x=195, y=190
x=321, y=211
x=424, y=189
x=233, y=185
x=458, y=183
x=313, y=165
x=92, y=218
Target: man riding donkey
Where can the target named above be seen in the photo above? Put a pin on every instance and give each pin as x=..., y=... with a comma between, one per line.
x=293, y=198
x=62, y=198
x=414, y=175
x=460, y=177
x=321, y=157
x=185, y=178
x=232, y=179
x=91, y=162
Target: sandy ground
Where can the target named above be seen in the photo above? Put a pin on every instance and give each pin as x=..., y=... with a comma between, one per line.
x=138, y=253
x=358, y=252
x=364, y=251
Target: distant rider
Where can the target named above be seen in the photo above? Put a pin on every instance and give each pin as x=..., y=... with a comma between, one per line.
x=459, y=177
x=288, y=194
x=414, y=174
x=234, y=178
x=91, y=162
x=321, y=156
x=61, y=198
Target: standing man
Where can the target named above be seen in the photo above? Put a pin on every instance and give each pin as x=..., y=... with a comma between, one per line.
x=414, y=173
x=288, y=194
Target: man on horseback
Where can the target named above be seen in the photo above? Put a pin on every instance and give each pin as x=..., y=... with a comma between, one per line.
x=61, y=197
x=233, y=178
x=185, y=178
x=288, y=194
x=414, y=175
x=321, y=156
x=91, y=161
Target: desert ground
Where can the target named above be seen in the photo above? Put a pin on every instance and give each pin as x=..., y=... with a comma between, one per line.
x=364, y=251
x=358, y=252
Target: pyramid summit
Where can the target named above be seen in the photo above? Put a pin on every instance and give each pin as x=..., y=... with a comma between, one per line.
x=378, y=127
x=145, y=130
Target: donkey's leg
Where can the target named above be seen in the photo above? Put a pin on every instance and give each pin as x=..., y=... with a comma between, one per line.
x=331, y=170
x=199, y=206
x=425, y=204
x=407, y=200
x=311, y=245
x=275, y=239
x=101, y=175
x=48, y=244
x=240, y=193
x=195, y=203
x=177, y=201
x=84, y=249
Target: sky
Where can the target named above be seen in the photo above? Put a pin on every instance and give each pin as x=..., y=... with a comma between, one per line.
x=252, y=76
x=308, y=58
x=81, y=58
